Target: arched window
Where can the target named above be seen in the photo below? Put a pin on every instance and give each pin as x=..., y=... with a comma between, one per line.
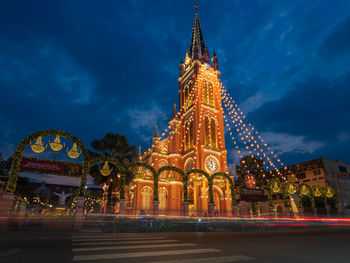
x=191, y=134
x=186, y=96
x=213, y=133
x=189, y=165
x=187, y=137
x=205, y=91
x=146, y=194
x=190, y=95
x=211, y=94
x=207, y=131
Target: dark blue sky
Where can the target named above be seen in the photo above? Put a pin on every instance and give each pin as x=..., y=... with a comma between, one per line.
x=91, y=67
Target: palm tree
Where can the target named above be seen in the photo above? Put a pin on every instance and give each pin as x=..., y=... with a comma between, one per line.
x=118, y=147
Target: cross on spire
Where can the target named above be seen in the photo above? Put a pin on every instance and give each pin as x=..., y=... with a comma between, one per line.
x=197, y=40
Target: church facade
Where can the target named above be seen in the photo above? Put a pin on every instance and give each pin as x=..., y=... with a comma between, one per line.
x=195, y=141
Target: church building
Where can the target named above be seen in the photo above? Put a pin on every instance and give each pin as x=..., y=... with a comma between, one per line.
x=196, y=140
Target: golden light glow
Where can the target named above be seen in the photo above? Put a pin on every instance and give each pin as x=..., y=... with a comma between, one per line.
x=317, y=192
x=291, y=189
x=304, y=190
x=56, y=145
x=38, y=146
x=275, y=187
x=329, y=193
x=105, y=171
x=73, y=153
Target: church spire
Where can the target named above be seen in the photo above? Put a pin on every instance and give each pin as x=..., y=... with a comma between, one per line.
x=197, y=45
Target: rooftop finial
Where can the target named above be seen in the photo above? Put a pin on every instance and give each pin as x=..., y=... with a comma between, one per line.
x=155, y=132
x=139, y=155
x=196, y=6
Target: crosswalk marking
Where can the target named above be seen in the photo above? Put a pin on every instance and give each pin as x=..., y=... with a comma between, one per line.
x=123, y=242
x=133, y=247
x=224, y=259
x=114, y=238
x=143, y=254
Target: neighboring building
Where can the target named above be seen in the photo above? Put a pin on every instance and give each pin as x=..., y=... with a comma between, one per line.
x=195, y=141
x=324, y=172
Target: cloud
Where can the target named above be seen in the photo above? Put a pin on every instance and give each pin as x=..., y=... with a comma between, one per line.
x=144, y=120
x=283, y=143
x=337, y=43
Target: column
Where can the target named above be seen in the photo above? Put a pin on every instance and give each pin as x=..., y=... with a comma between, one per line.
x=185, y=206
x=79, y=213
x=156, y=207
x=6, y=199
x=211, y=209
x=122, y=206
x=244, y=208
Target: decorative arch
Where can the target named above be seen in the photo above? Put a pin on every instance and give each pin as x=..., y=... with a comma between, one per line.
x=232, y=186
x=18, y=155
x=270, y=188
x=121, y=168
x=174, y=169
x=309, y=193
x=155, y=176
x=209, y=178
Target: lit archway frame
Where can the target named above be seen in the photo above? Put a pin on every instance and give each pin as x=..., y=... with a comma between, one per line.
x=269, y=189
x=232, y=187
x=121, y=168
x=154, y=173
x=286, y=192
x=309, y=193
x=324, y=192
x=18, y=155
x=177, y=170
x=209, y=178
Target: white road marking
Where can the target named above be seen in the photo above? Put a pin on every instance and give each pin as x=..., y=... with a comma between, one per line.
x=116, y=238
x=224, y=259
x=133, y=247
x=122, y=242
x=143, y=254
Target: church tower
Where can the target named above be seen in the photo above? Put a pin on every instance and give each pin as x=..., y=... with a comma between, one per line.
x=195, y=141
x=201, y=113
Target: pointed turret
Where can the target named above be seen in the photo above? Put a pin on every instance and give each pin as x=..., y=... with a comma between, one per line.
x=174, y=114
x=215, y=61
x=230, y=173
x=197, y=45
x=155, y=139
x=155, y=132
x=181, y=67
x=139, y=154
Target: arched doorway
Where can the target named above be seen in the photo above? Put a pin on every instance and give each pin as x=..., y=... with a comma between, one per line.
x=162, y=195
x=146, y=194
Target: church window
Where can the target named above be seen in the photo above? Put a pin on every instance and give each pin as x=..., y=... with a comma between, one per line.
x=211, y=94
x=205, y=91
x=190, y=95
x=207, y=131
x=191, y=134
x=186, y=96
x=213, y=133
x=189, y=165
x=187, y=136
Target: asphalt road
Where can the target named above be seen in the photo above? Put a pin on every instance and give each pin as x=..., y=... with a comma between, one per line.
x=328, y=245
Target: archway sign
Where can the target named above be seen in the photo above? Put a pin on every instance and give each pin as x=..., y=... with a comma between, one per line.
x=18, y=156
